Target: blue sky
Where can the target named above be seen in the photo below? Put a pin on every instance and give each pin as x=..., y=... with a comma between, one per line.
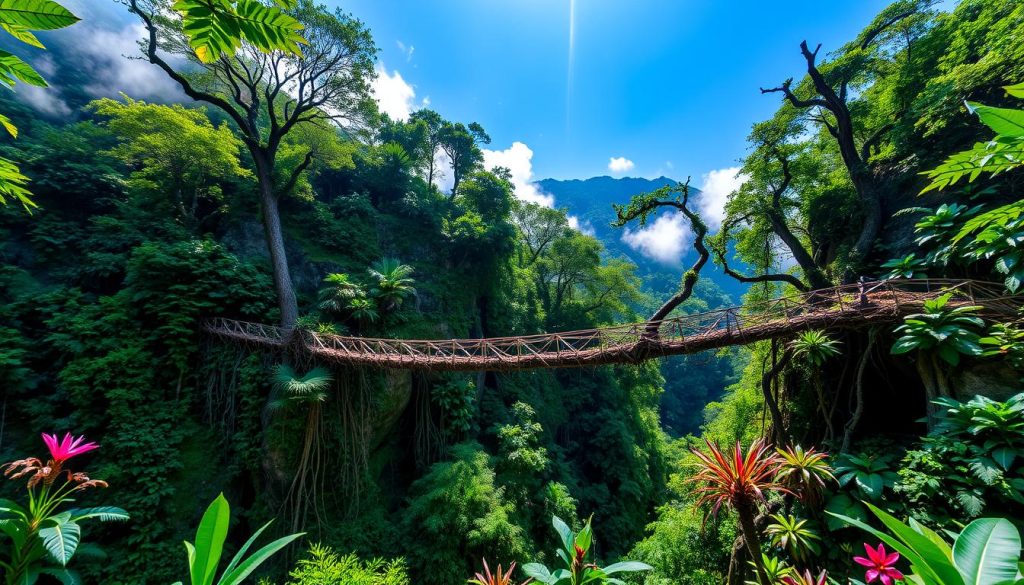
x=670, y=85
x=650, y=87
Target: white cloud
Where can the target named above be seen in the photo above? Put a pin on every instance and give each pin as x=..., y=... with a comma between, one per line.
x=518, y=159
x=119, y=67
x=110, y=59
x=44, y=99
x=394, y=96
x=714, y=193
x=620, y=164
x=408, y=50
x=664, y=240
x=585, y=227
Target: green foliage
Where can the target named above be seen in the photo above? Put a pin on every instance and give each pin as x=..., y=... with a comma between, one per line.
x=323, y=566
x=173, y=151
x=456, y=397
x=986, y=551
x=909, y=266
x=974, y=454
x=204, y=555
x=948, y=332
x=393, y=283
x=805, y=471
x=815, y=347
x=794, y=535
x=20, y=18
x=459, y=497
x=574, y=555
x=683, y=549
x=308, y=388
x=870, y=474
x=218, y=27
x=1001, y=154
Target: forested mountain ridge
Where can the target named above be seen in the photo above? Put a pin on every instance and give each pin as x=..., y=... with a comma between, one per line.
x=257, y=204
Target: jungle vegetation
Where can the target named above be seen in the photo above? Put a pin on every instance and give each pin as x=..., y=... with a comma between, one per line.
x=280, y=194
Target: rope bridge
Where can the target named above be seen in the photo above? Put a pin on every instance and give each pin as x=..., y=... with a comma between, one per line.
x=847, y=306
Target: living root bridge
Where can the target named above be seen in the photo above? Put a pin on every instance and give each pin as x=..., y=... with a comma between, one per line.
x=846, y=307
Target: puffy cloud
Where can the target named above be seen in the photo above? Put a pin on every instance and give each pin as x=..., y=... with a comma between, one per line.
x=620, y=164
x=518, y=159
x=664, y=240
x=714, y=193
x=394, y=96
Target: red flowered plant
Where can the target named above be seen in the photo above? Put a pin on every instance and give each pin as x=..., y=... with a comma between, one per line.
x=806, y=578
x=43, y=539
x=880, y=565
x=740, y=481
x=499, y=577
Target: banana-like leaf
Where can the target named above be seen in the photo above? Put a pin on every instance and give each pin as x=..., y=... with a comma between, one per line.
x=213, y=530
x=258, y=558
x=65, y=576
x=1002, y=121
x=35, y=14
x=987, y=552
x=61, y=540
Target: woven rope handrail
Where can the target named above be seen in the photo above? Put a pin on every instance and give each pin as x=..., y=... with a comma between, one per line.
x=846, y=306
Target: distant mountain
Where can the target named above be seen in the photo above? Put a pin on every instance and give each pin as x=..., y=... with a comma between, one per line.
x=590, y=201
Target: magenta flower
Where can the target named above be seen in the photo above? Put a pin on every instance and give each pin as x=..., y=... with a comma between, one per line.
x=67, y=448
x=880, y=565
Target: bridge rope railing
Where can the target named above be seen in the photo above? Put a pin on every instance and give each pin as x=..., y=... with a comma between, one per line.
x=847, y=305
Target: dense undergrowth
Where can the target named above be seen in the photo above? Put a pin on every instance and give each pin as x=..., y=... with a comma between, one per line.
x=149, y=223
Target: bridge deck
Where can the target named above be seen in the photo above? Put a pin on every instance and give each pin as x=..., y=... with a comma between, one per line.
x=846, y=306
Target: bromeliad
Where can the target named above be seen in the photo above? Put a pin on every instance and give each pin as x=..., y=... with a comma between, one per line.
x=43, y=538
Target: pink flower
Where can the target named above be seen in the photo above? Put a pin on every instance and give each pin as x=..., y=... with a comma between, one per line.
x=67, y=448
x=880, y=565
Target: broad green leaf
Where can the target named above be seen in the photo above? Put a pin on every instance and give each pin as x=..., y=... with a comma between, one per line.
x=102, y=513
x=987, y=552
x=245, y=548
x=13, y=70
x=627, y=567
x=933, y=555
x=1003, y=121
x=209, y=545
x=564, y=532
x=258, y=558
x=538, y=572
x=61, y=540
x=35, y=14
x=1015, y=90
x=22, y=34
x=65, y=576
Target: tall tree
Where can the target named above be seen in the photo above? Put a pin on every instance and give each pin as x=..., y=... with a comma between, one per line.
x=433, y=123
x=461, y=144
x=824, y=97
x=268, y=93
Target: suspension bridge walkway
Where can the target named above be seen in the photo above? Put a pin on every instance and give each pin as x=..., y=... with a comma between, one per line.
x=841, y=307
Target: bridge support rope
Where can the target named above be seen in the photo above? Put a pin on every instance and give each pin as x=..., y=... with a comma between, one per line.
x=848, y=306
